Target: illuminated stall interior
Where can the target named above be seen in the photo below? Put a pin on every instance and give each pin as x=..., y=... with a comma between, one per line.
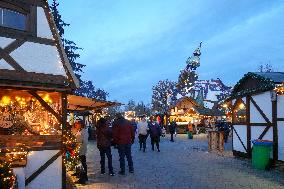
x=22, y=114
x=187, y=110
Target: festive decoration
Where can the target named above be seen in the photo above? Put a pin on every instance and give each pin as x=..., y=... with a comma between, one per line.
x=21, y=113
x=71, y=156
x=7, y=178
x=279, y=89
x=163, y=95
x=188, y=76
x=265, y=84
x=15, y=156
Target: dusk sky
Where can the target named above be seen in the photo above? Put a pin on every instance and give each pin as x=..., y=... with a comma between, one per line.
x=130, y=45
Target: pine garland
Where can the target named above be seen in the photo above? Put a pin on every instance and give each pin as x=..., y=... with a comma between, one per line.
x=7, y=178
x=265, y=85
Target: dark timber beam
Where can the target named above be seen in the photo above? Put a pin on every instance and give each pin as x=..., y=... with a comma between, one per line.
x=42, y=168
x=10, y=60
x=46, y=106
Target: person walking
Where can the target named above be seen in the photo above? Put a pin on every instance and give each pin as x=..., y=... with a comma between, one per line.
x=155, y=133
x=104, y=137
x=172, y=129
x=142, y=132
x=123, y=135
x=82, y=139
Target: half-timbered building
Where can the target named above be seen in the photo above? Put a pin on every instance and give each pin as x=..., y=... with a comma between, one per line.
x=35, y=78
x=257, y=107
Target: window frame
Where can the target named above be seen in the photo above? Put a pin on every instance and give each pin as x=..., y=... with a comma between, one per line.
x=235, y=113
x=31, y=17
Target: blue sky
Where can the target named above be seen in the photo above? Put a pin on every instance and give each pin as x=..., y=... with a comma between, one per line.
x=129, y=45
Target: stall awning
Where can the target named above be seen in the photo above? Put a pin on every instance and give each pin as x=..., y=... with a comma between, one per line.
x=79, y=103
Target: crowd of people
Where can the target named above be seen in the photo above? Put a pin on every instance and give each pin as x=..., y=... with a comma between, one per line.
x=121, y=134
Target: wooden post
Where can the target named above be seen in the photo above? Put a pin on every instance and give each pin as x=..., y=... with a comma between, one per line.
x=275, y=130
x=248, y=126
x=64, y=128
x=221, y=141
x=210, y=141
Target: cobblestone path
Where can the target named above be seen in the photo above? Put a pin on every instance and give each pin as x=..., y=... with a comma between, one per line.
x=183, y=164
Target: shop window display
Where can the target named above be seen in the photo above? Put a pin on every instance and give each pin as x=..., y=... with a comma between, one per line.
x=23, y=114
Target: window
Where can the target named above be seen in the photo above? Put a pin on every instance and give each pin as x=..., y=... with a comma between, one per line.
x=12, y=19
x=239, y=112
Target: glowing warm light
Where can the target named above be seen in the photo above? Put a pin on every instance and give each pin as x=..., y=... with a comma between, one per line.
x=225, y=105
x=241, y=106
x=6, y=100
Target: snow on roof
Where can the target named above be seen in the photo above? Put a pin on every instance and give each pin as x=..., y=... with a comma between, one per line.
x=276, y=77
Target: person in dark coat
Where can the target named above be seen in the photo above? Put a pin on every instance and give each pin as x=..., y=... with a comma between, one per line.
x=155, y=133
x=123, y=135
x=172, y=129
x=104, y=137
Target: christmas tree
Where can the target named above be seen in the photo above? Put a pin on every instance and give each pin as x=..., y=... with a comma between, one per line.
x=188, y=76
x=7, y=178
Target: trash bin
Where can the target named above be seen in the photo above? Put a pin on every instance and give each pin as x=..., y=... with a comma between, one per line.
x=189, y=135
x=261, y=153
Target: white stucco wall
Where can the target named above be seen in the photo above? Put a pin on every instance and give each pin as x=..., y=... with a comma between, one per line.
x=263, y=100
x=49, y=178
x=5, y=65
x=4, y=41
x=20, y=173
x=39, y=58
x=242, y=132
x=256, y=131
x=43, y=29
x=280, y=106
x=281, y=140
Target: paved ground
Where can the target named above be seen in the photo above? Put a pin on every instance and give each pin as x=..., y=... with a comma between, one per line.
x=183, y=164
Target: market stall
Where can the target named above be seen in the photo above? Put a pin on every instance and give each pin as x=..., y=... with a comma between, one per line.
x=256, y=106
x=35, y=78
x=186, y=110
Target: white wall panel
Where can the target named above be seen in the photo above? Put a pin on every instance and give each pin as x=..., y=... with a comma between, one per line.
x=20, y=173
x=49, y=178
x=4, y=41
x=43, y=29
x=255, y=116
x=263, y=100
x=280, y=106
x=39, y=58
x=5, y=65
x=281, y=140
x=256, y=131
x=242, y=132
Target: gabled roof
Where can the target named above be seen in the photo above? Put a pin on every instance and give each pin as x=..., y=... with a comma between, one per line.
x=256, y=82
x=40, y=56
x=182, y=99
x=209, y=112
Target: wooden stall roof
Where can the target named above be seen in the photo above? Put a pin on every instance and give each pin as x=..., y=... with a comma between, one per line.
x=184, y=98
x=199, y=108
x=256, y=82
x=209, y=112
x=79, y=103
